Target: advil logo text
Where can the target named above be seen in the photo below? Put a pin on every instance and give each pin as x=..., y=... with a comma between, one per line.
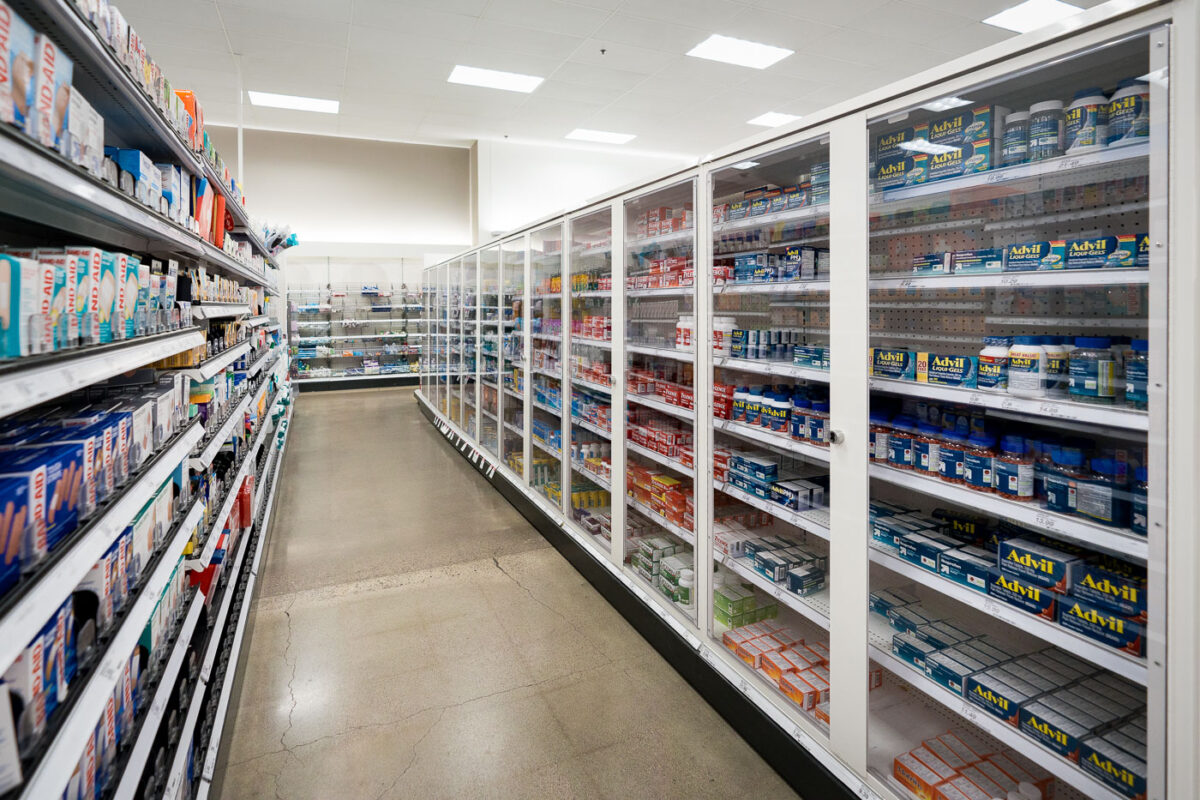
x=1047, y=730
x=938, y=159
x=1107, y=766
x=1114, y=624
x=1027, y=560
x=892, y=169
x=992, y=698
x=1105, y=586
x=1032, y=592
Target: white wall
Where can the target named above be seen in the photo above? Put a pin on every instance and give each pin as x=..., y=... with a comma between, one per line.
x=519, y=183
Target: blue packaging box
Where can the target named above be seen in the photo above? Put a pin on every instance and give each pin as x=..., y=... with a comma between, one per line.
x=968, y=126
x=776, y=200
x=796, y=196
x=977, y=262
x=942, y=635
x=1052, y=730
x=896, y=364
x=968, y=566
x=966, y=160
x=888, y=531
x=1142, y=250
x=1027, y=596
x=1034, y=256
x=1121, y=592
x=819, y=174
x=998, y=694
x=1117, y=768
x=886, y=599
x=938, y=369
x=1102, y=625
x=1038, y=563
x=14, y=511
x=911, y=650
x=1101, y=251
x=907, y=619
x=932, y=264
x=891, y=143
x=805, y=580
x=895, y=171
x=738, y=209
x=951, y=669
x=54, y=475
x=770, y=566
x=922, y=550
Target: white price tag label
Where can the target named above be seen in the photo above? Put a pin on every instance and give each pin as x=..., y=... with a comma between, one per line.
x=997, y=177
x=970, y=712
x=1046, y=521
x=1011, y=280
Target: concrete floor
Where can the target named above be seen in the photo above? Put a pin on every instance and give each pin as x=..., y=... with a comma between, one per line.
x=414, y=637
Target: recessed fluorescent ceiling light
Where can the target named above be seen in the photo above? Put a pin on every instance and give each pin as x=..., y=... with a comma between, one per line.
x=739, y=51
x=744, y=165
x=945, y=104
x=494, y=79
x=1031, y=15
x=772, y=119
x=293, y=102
x=923, y=146
x=605, y=137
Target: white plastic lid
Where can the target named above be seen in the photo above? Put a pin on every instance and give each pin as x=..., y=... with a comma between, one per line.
x=1028, y=791
x=686, y=574
x=1017, y=116
x=1046, y=105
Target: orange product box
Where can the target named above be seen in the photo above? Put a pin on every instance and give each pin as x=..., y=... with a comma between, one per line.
x=789, y=637
x=773, y=642
x=945, y=753
x=751, y=652
x=734, y=637
x=799, y=690
x=687, y=456
x=1007, y=762
x=939, y=767
x=775, y=664
x=874, y=678
x=818, y=682
x=802, y=657
x=956, y=746
x=949, y=791
x=983, y=782
x=994, y=774
x=981, y=748
x=916, y=777
x=821, y=712
x=821, y=649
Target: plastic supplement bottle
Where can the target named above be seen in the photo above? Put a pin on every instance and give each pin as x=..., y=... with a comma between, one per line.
x=979, y=462
x=1014, y=470
x=1129, y=113
x=1014, y=148
x=1093, y=371
x=1058, y=373
x=754, y=402
x=818, y=423
x=801, y=405
x=1085, y=122
x=1103, y=497
x=927, y=447
x=1063, y=481
x=900, y=442
x=993, y=363
x=1137, y=374
x=740, y=395
x=1027, y=367
x=1139, y=502
x=1045, y=130
x=951, y=457
x=685, y=594
x=880, y=429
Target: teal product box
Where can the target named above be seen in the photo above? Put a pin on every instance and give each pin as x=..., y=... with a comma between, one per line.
x=1039, y=563
x=968, y=566
x=896, y=171
x=922, y=550
x=20, y=296
x=813, y=356
x=1102, y=625
x=951, y=669
x=932, y=264
x=1115, y=767
x=969, y=126
x=886, y=599
x=131, y=293
x=738, y=209
x=819, y=174
x=1025, y=595
x=942, y=635
x=1123, y=592
x=938, y=369
x=750, y=485
x=796, y=196
x=108, y=293
x=908, y=618
x=776, y=200
x=1101, y=251
x=820, y=195
x=998, y=694
x=965, y=160
x=887, y=531
x=763, y=469
x=49, y=112
x=892, y=143
x=759, y=206
x=895, y=364
x=911, y=650
x=1034, y=256
x=1052, y=730
x=977, y=262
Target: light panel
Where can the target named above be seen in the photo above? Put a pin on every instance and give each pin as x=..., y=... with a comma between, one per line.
x=293, y=102
x=604, y=137
x=494, y=79
x=773, y=119
x=739, y=51
x=1031, y=15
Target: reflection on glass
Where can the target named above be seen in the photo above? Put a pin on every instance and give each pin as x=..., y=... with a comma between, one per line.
x=546, y=367
x=490, y=326
x=512, y=377
x=1009, y=317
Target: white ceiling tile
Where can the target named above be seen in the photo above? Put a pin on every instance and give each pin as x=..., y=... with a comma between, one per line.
x=780, y=30
x=161, y=36
x=714, y=76
x=901, y=20
x=407, y=18
x=587, y=75
x=840, y=13
x=618, y=55
x=772, y=85
x=313, y=9
x=253, y=30
x=976, y=36
x=558, y=18
x=561, y=90
x=503, y=36
x=184, y=14
x=178, y=62
x=603, y=5
x=285, y=119
x=711, y=14
x=670, y=37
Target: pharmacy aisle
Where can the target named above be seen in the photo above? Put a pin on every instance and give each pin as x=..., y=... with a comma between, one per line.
x=438, y=646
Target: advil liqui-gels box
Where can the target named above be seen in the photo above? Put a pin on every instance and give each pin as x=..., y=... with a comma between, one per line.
x=892, y=143
x=901, y=170
x=1034, y=256
x=969, y=126
x=897, y=364
x=948, y=370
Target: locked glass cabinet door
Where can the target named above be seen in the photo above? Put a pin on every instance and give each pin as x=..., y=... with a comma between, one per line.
x=491, y=320
x=512, y=377
x=470, y=343
x=660, y=246
x=1017, y=323
x=591, y=260
x=546, y=363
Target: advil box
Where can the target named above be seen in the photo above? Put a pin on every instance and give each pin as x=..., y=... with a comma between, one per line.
x=1102, y=625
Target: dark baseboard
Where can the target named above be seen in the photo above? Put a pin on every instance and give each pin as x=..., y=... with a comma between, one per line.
x=807, y=776
x=341, y=384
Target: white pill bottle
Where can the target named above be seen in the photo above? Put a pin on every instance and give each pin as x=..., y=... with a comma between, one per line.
x=1085, y=122
x=1129, y=113
x=1027, y=367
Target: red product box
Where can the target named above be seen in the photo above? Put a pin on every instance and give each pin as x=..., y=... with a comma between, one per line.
x=687, y=457
x=720, y=212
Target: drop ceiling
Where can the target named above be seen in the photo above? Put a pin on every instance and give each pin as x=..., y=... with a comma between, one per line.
x=612, y=65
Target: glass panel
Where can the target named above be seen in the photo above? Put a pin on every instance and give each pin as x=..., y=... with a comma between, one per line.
x=545, y=469
x=443, y=341
x=591, y=373
x=512, y=400
x=660, y=237
x=455, y=310
x=1010, y=313
x=770, y=322
x=491, y=321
